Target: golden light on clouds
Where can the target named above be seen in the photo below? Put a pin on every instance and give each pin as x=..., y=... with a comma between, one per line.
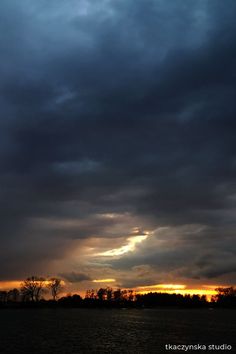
x=182, y=289
x=165, y=286
x=129, y=247
x=104, y=280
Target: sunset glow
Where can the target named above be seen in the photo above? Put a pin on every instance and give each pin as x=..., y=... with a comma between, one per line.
x=6, y=285
x=117, y=145
x=16, y=284
x=176, y=289
x=208, y=290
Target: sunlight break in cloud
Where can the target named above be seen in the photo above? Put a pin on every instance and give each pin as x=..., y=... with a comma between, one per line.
x=130, y=247
x=104, y=280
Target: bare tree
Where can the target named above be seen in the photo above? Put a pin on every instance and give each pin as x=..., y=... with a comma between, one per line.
x=55, y=286
x=33, y=287
x=90, y=294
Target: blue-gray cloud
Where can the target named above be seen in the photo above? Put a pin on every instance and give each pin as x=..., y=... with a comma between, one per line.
x=115, y=107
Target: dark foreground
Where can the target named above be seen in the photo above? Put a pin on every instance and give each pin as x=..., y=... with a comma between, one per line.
x=75, y=331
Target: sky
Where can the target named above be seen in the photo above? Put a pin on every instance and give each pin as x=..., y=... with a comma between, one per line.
x=117, y=142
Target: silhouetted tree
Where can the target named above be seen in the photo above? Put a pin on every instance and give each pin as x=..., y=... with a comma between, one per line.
x=101, y=294
x=70, y=301
x=230, y=291
x=117, y=295
x=131, y=295
x=55, y=286
x=109, y=293
x=225, y=296
x=33, y=287
x=91, y=294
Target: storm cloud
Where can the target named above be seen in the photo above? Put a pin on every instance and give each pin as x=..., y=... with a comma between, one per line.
x=118, y=115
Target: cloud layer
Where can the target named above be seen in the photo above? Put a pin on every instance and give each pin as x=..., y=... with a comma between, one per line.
x=118, y=116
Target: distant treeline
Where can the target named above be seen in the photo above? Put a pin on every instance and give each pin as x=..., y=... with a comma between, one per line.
x=33, y=289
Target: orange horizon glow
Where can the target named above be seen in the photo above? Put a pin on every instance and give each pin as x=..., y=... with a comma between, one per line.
x=12, y=284
x=201, y=292
x=182, y=289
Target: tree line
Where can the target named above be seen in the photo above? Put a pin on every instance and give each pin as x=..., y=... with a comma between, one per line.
x=33, y=289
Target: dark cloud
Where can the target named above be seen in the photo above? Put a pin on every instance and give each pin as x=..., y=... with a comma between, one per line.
x=124, y=108
x=189, y=252
x=75, y=277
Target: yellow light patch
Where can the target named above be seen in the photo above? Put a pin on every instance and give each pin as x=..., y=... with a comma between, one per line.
x=104, y=280
x=176, y=289
x=165, y=286
x=129, y=247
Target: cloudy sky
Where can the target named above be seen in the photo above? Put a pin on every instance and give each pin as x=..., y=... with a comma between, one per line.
x=117, y=142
